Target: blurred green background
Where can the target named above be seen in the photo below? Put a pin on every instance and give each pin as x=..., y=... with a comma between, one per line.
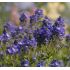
x=51, y=9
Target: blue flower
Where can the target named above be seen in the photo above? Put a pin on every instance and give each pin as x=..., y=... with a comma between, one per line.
x=59, y=21
x=19, y=30
x=48, y=34
x=56, y=63
x=68, y=37
x=23, y=17
x=33, y=42
x=58, y=28
x=11, y=28
x=5, y=36
x=42, y=34
x=25, y=63
x=14, y=48
x=47, y=23
x=39, y=36
x=41, y=64
x=16, y=45
x=33, y=19
x=58, y=31
x=24, y=43
x=9, y=50
x=39, y=13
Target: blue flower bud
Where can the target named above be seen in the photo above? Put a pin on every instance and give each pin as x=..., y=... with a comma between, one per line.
x=23, y=17
x=41, y=64
x=25, y=63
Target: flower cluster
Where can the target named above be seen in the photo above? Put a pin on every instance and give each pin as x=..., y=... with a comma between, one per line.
x=24, y=40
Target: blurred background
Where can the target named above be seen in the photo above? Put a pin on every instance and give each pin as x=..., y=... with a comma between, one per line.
x=11, y=11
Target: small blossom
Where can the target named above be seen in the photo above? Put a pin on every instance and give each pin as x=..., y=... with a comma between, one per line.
x=10, y=26
x=9, y=50
x=68, y=37
x=58, y=31
x=23, y=17
x=56, y=63
x=33, y=42
x=33, y=19
x=34, y=58
x=14, y=48
x=47, y=23
x=41, y=35
x=41, y=64
x=5, y=36
x=39, y=13
x=59, y=21
x=25, y=63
